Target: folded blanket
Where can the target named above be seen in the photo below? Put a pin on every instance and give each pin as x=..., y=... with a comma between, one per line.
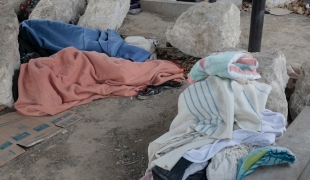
x=56, y=35
x=265, y=156
x=71, y=77
x=231, y=65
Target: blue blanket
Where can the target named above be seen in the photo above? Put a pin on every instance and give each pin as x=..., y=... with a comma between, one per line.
x=54, y=36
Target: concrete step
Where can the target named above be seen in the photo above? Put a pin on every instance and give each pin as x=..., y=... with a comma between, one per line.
x=172, y=8
x=296, y=139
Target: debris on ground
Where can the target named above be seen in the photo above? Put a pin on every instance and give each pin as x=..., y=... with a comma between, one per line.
x=246, y=6
x=298, y=7
x=184, y=61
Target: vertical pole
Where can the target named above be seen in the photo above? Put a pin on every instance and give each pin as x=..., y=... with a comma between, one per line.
x=257, y=23
x=212, y=1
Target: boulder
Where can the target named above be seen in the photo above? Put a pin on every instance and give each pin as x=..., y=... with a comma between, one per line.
x=205, y=28
x=105, y=15
x=58, y=10
x=272, y=68
x=9, y=54
x=301, y=96
x=15, y=4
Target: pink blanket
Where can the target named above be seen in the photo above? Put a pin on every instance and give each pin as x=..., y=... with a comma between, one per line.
x=71, y=77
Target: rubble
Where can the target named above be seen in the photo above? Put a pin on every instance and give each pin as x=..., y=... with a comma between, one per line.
x=110, y=15
x=274, y=3
x=58, y=10
x=205, y=28
x=9, y=54
x=297, y=6
x=301, y=97
x=272, y=68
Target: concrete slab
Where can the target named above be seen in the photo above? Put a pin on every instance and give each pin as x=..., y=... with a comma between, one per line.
x=172, y=8
x=297, y=139
x=164, y=7
x=305, y=174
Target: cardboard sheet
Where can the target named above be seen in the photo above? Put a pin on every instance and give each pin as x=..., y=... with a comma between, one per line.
x=8, y=150
x=19, y=130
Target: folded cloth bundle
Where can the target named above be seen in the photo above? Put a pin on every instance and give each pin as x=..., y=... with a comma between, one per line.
x=231, y=65
x=265, y=156
x=50, y=85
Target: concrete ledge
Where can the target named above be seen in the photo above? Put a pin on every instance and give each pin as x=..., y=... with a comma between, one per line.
x=173, y=8
x=166, y=8
x=297, y=139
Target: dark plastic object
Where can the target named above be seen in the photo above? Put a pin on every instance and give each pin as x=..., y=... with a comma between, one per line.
x=257, y=23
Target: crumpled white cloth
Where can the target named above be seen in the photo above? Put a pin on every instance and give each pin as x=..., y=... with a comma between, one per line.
x=226, y=161
x=193, y=168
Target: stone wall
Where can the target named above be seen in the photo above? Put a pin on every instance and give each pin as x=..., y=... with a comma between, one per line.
x=272, y=68
x=15, y=4
x=9, y=54
x=58, y=10
x=301, y=96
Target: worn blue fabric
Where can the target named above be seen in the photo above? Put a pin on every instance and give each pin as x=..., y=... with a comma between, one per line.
x=54, y=36
x=265, y=156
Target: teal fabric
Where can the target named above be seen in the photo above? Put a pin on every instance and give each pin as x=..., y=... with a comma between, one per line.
x=272, y=155
x=218, y=62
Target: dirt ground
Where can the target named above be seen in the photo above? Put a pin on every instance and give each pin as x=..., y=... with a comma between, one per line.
x=111, y=141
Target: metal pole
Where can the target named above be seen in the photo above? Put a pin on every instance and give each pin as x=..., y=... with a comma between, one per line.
x=257, y=23
x=212, y=1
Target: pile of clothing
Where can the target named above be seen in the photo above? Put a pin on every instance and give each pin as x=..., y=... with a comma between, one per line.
x=64, y=65
x=222, y=130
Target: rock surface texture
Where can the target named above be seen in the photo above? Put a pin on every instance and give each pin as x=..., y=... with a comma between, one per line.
x=9, y=54
x=206, y=28
x=301, y=96
x=58, y=10
x=15, y=4
x=104, y=15
x=272, y=68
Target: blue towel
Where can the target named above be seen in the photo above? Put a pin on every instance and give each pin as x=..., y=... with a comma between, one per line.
x=266, y=156
x=54, y=36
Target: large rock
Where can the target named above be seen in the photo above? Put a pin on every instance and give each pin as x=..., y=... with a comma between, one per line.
x=206, y=28
x=272, y=68
x=105, y=14
x=58, y=10
x=9, y=54
x=15, y=4
x=301, y=96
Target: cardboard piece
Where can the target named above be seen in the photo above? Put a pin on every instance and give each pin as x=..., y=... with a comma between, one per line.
x=8, y=150
x=279, y=11
x=17, y=129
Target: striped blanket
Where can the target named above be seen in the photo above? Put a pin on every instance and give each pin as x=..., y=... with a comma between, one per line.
x=231, y=65
x=265, y=156
x=216, y=103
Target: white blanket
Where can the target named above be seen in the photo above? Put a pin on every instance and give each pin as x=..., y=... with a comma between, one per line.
x=207, y=111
